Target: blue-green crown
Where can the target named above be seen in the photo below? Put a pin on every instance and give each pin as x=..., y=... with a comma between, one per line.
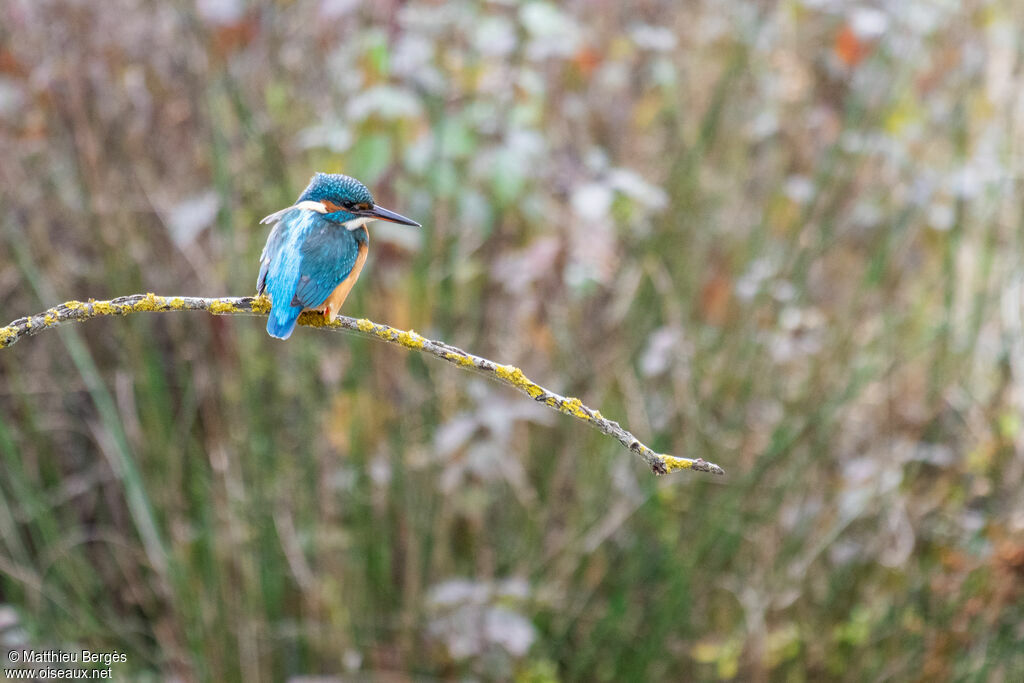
x=336, y=188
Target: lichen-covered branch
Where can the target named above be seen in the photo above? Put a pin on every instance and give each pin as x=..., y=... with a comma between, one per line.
x=77, y=311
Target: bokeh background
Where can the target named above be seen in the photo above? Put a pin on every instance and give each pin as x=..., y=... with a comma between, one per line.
x=787, y=237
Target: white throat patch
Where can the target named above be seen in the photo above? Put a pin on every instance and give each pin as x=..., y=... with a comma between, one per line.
x=356, y=223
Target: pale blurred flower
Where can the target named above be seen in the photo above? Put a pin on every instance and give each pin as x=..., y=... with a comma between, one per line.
x=553, y=32
x=658, y=38
x=854, y=142
x=868, y=22
x=511, y=630
x=220, y=11
x=612, y=75
x=484, y=437
x=398, y=235
x=474, y=210
x=495, y=36
x=792, y=515
x=923, y=17
x=345, y=79
x=941, y=216
x=790, y=318
x=454, y=434
x=664, y=72
x=662, y=345
x=845, y=551
x=712, y=27
x=965, y=183
x=531, y=81
x=430, y=20
x=8, y=618
x=452, y=592
x=330, y=10
x=596, y=159
x=937, y=454
x=592, y=201
x=342, y=479
x=973, y=521
x=633, y=185
x=421, y=153
x=352, y=660
x=12, y=97
x=411, y=55
x=471, y=618
x=624, y=479
x=872, y=475
x=592, y=253
x=749, y=284
x=511, y=165
x=380, y=470
x=574, y=105
x=800, y=334
x=519, y=269
x=867, y=214
x=799, y=188
x=191, y=216
x=385, y=101
x=764, y=125
x=332, y=135
x=783, y=291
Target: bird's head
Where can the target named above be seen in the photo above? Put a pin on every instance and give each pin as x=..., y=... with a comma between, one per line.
x=345, y=200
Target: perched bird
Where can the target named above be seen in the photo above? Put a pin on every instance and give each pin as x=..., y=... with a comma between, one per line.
x=317, y=248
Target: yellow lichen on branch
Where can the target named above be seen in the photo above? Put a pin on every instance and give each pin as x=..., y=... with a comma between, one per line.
x=514, y=376
x=673, y=464
x=77, y=311
x=410, y=340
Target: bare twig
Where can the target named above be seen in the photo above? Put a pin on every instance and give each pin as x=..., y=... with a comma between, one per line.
x=260, y=306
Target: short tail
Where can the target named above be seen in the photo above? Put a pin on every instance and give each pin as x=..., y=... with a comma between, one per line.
x=281, y=322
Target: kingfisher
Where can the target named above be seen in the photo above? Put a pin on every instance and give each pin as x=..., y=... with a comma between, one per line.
x=317, y=249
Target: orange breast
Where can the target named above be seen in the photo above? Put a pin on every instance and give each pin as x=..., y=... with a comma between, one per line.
x=336, y=298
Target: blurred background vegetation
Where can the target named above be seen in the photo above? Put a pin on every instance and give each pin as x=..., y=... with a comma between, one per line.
x=785, y=236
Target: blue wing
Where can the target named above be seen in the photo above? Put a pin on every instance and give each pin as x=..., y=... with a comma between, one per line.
x=272, y=247
x=328, y=255
x=305, y=258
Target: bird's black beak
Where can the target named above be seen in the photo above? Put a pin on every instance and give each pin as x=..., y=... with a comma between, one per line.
x=380, y=213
